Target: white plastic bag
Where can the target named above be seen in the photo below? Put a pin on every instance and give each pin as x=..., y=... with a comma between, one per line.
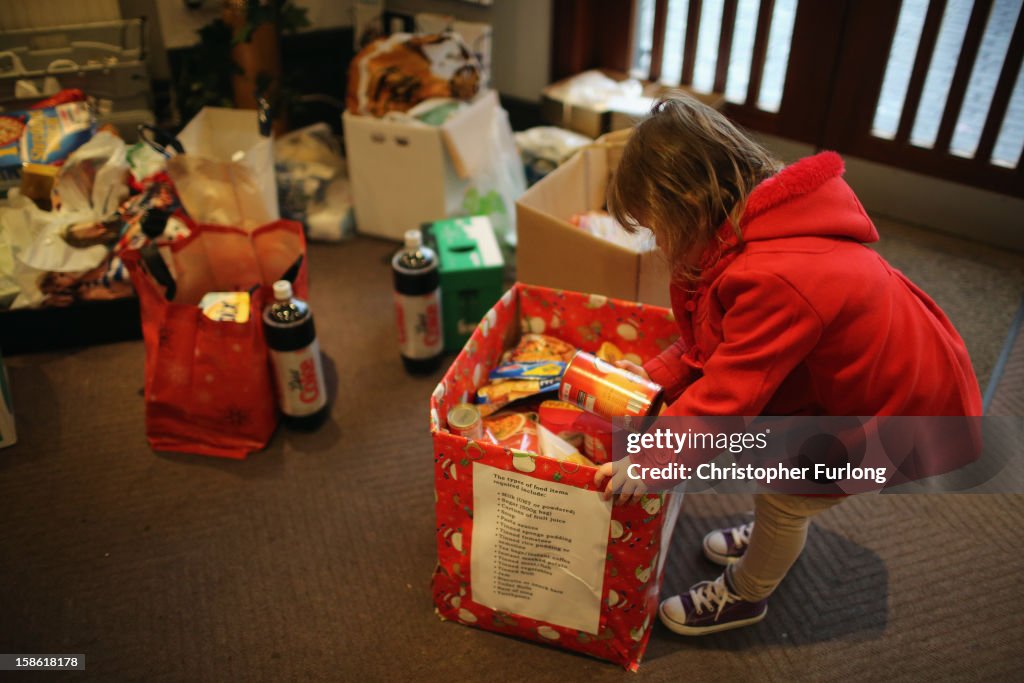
x=33, y=242
x=484, y=153
x=92, y=180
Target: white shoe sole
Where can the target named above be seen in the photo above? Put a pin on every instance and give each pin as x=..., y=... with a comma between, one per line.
x=684, y=630
x=723, y=560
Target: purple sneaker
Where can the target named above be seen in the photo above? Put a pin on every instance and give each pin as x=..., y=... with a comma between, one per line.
x=710, y=607
x=725, y=546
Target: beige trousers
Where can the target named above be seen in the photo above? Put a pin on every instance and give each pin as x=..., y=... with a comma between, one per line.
x=780, y=531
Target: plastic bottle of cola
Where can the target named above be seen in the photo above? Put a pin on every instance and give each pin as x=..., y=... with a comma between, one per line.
x=418, y=305
x=295, y=356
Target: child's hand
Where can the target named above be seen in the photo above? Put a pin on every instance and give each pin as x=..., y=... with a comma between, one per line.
x=630, y=490
x=630, y=366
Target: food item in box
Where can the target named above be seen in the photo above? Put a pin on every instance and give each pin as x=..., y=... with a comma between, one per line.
x=539, y=347
x=52, y=133
x=553, y=446
x=533, y=367
x=603, y=389
x=230, y=307
x=588, y=433
x=42, y=135
x=529, y=370
x=513, y=429
x=464, y=420
x=609, y=352
x=561, y=418
x=496, y=395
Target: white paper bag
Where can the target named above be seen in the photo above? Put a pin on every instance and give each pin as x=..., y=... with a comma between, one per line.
x=226, y=175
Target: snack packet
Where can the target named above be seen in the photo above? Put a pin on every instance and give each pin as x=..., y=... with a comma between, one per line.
x=539, y=347
x=529, y=370
x=42, y=136
x=496, y=395
x=222, y=307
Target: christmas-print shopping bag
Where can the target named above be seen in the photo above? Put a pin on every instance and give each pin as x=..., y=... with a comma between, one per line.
x=208, y=386
x=525, y=545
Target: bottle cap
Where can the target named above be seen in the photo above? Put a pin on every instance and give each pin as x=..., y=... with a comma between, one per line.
x=282, y=290
x=413, y=239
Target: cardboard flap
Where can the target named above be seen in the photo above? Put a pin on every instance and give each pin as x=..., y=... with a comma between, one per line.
x=594, y=264
x=465, y=135
x=614, y=144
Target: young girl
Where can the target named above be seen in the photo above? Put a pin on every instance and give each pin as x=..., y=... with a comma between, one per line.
x=782, y=310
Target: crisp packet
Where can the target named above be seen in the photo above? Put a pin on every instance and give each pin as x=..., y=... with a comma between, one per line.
x=231, y=307
x=539, y=347
x=42, y=136
x=530, y=370
x=52, y=133
x=494, y=396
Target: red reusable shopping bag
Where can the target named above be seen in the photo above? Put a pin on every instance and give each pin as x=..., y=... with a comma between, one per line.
x=208, y=386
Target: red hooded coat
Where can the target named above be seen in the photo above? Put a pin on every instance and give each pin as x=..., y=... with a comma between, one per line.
x=805, y=319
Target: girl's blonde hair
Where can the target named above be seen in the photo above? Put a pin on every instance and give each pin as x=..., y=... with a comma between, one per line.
x=685, y=170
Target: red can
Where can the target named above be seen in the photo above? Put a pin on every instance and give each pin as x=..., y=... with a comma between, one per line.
x=464, y=420
x=603, y=389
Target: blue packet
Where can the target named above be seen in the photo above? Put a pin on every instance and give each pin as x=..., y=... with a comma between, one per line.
x=42, y=136
x=529, y=370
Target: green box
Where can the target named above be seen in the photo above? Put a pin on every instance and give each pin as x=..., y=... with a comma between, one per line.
x=472, y=273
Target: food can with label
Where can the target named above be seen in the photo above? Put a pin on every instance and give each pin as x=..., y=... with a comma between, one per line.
x=464, y=420
x=606, y=390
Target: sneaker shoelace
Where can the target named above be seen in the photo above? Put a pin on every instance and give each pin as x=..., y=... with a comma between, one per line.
x=709, y=595
x=741, y=534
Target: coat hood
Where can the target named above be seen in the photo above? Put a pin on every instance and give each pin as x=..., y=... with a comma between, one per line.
x=807, y=198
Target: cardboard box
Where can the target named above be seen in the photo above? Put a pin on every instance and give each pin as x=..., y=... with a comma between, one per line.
x=405, y=173
x=594, y=590
x=554, y=253
x=472, y=271
x=595, y=118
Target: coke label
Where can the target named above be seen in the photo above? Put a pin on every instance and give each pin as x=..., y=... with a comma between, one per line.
x=300, y=378
x=419, y=324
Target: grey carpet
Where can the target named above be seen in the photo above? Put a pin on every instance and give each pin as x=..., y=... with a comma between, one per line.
x=311, y=560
